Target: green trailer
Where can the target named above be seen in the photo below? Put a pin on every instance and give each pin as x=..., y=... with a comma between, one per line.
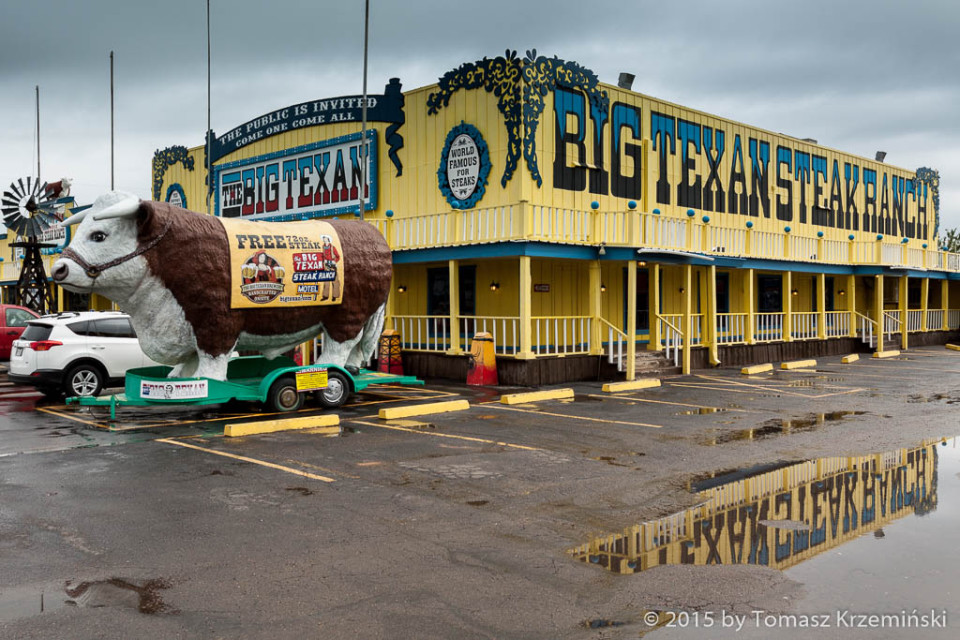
x=280, y=384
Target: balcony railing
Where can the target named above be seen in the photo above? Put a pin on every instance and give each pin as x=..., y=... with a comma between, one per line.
x=635, y=229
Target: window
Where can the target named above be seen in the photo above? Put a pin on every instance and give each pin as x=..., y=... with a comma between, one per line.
x=36, y=331
x=81, y=328
x=113, y=328
x=18, y=317
x=769, y=293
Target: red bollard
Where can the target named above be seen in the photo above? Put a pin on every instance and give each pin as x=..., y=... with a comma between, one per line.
x=483, y=361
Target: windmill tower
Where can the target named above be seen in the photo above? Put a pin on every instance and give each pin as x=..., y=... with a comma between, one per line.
x=30, y=208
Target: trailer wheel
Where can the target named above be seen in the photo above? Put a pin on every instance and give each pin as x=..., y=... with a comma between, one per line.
x=283, y=395
x=336, y=392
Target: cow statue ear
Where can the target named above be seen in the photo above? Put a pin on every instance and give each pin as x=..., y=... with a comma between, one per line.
x=146, y=216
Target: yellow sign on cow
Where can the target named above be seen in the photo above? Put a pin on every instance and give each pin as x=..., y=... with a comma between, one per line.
x=289, y=264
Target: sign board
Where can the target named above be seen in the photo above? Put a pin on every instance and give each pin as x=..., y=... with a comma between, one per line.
x=464, y=167
x=541, y=288
x=174, y=390
x=311, y=379
x=314, y=180
x=292, y=264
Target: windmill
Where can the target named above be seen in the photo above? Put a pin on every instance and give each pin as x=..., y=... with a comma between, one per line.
x=29, y=209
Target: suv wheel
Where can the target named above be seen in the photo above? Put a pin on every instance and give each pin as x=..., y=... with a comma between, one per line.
x=83, y=380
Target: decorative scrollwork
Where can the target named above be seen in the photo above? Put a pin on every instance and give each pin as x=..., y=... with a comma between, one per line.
x=521, y=87
x=165, y=158
x=931, y=178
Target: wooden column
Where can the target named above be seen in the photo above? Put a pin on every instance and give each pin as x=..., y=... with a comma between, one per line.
x=595, y=307
x=631, y=329
x=654, y=289
x=904, y=309
x=526, y=310
x=751, y=307
x=945, y=303
x=852, y=303
x=456, y=348
x=711, y=319
x=788, y=306
x=687, y=316
x=878, y=310
x=822, y=306
x=924, y=302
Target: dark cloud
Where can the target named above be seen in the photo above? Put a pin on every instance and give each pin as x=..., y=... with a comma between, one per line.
x=859, y=75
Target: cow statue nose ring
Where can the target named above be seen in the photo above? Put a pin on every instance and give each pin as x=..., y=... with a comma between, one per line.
x=61, y=272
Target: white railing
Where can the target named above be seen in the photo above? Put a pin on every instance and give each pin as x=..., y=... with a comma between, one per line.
x=769, y=327
x=838, y=324
x=866, y=329
x=493, y=224
x=671, y=337
x=803, y=325
x=727, y=241
x=731, y=328
x=935, y=319
x=768, y=244
x=915, y=258
x=953, y=319
x=421, y=231
x=561, y=335
x=803, y=248
x=953, y=262
x=891, y=323
x=914, y=321
x=864, y=252
x=834, y=251
x=570, y=226
x=423, y=333
x=616, y=344
x=665, y=232
x=615, y=227
x=504, y=329
x=891, y=254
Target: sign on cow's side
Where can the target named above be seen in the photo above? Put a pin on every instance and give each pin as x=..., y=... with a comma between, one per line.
x=298, y=265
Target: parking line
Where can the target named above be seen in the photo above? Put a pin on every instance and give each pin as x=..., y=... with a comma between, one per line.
x=677, y=404
x=446, y=435
x=564, y=415
x=262, y=463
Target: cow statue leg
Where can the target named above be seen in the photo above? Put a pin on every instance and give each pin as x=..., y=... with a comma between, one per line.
x=338, y=353
x=202, y=365
x=364, y=350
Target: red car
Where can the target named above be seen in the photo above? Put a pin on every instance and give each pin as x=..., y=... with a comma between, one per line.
x=13, y=320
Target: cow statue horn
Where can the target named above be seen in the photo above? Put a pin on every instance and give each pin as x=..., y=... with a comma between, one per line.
x=126, y=208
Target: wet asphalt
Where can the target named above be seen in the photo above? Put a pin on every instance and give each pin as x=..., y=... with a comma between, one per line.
x=468, y=524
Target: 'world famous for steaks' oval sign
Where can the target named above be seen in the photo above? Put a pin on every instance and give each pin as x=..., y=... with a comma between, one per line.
x=284, y=264
x=464, y=167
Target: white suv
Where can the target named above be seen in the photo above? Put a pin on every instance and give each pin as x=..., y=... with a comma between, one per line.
x=76, y=353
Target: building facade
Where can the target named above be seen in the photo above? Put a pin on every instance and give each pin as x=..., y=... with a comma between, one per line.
x=585, y=225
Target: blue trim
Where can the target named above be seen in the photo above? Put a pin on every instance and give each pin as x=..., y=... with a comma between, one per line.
x=444, y=180
x=370, y=205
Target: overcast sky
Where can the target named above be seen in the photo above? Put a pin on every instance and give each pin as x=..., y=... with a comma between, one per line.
x=857, y=75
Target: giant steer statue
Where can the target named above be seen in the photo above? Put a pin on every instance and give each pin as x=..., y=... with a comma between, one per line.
x=197, y=289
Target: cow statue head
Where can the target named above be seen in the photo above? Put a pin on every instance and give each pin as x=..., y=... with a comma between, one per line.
x=104, y=253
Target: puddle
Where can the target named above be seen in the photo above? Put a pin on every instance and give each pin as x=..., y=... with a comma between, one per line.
x=23, y=602
x=779, y=515
x=700, y=411
x=584, y=398
x=777, y=427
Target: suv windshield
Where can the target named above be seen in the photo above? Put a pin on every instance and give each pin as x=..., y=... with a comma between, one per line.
x=36, y=331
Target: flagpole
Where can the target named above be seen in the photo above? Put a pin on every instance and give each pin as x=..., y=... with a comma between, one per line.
x=111, y=126
x=209, y=144
x=38, y=132
x=363, y=111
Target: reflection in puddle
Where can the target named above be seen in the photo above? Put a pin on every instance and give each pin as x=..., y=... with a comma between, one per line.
x=700, y=411
x=778, y=426
x=778, y=518
x=23, y=602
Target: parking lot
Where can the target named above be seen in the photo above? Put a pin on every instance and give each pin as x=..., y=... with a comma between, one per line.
x=456, y=524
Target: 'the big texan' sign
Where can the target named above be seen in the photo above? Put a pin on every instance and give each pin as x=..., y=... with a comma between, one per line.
x=314, y=180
